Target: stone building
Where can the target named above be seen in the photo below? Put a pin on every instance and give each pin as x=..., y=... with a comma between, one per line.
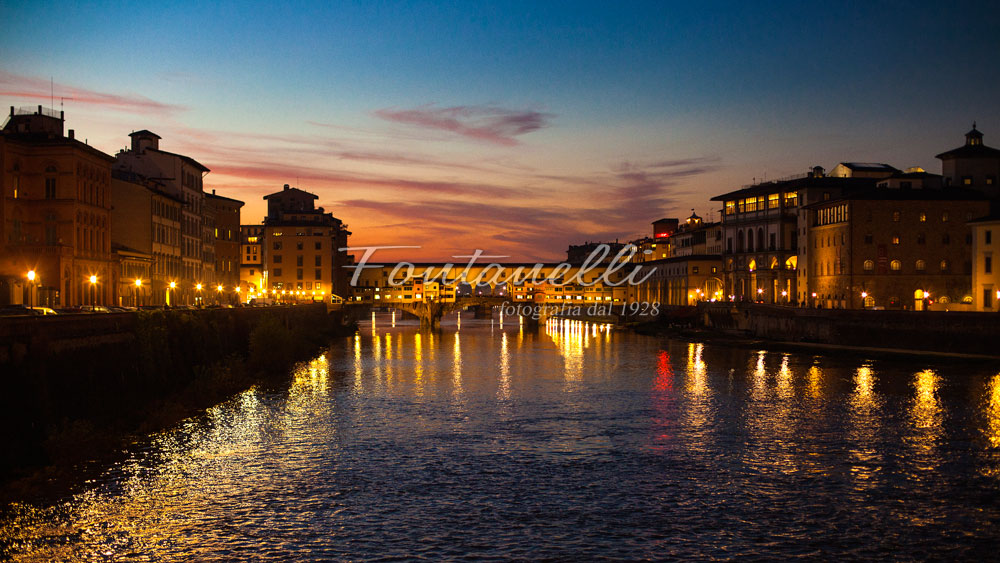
x=301, y=252
x=226, y=241
x=55, y=214
x=893, y=247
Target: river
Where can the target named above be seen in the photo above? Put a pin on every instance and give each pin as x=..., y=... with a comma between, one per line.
x=484, y=440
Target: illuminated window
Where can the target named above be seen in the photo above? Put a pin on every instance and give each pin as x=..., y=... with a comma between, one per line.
x=921, y=265
x=944, y=216
x=895, y=265
x=869, y=265
x=773, y=201
x=895, y=239
x=895, y=216
x=923, y=218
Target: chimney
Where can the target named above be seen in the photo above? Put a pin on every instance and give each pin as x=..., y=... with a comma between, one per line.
x=213, y=191
x=72, y=134
x=286, y=186
x=39, y=109
x=12, y=111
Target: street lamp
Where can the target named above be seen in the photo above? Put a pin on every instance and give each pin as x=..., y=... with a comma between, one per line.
x=138, y=286
x=198, y=299
x=218, y=297
x=760, y=295
x=173, y=286
x=93, y=290
x=864, y=296
x=31, y=284
x=237, y=290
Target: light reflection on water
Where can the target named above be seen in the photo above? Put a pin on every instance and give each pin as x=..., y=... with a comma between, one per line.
x=572, y=441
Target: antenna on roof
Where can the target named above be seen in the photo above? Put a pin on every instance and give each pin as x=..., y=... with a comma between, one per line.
x=52, y=93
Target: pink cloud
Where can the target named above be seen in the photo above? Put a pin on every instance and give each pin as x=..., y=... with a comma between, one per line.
x=34, y=88
x=483, y=123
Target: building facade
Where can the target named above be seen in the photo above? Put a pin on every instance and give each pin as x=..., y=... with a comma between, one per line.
x=147, y=223
x=182, y=177
x=56, y=214
x=226, y=242
x=894, y=248
x=302, y=247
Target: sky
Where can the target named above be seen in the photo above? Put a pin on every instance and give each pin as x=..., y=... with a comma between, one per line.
x=517, y=128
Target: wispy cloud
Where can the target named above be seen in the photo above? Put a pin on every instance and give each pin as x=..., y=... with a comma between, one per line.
x=484, y=123
x=35, y=88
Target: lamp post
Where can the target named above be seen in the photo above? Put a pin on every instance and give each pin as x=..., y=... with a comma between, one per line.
x=760, y=295
x=31, y=284
x=864, y=297
x=237, y=291
x=198, y=298
x=218, y=295
x=784, y=296
x=93, y=290
x=138, y=286
x=173, y=286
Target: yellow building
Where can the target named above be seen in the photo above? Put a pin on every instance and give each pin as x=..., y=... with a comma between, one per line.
x=985, y=269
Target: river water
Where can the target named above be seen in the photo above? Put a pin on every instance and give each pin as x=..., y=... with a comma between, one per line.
x=573, y=441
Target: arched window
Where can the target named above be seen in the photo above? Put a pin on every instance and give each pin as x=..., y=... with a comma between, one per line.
x=921, y=265
x=869, y=302
x=869, y=265
x=944, y=265
x=895, y=265
x=760, y=238
x=750, y=240
x=739, y=241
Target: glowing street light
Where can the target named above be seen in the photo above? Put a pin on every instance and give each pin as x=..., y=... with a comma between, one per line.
x=173, y=286
x=93, y=290
x=198, y=298
x=31, y=284
x=138, y=286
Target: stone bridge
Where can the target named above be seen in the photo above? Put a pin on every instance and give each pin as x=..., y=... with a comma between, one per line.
x=430, y=312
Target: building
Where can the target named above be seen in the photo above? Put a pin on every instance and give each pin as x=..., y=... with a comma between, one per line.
x=55, y=215
x=985, y=273
x=226, y=242
x=302, y=251
x=973, y=165
x=579, y=253
x=182, y=177
x=875, y=170
x=695, y=237
x=765, y=228
x=894, y=248
x=146, y=238
x=680, y=281
x=252, y=281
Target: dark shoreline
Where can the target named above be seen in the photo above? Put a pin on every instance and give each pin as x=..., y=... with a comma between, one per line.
x=62, y=437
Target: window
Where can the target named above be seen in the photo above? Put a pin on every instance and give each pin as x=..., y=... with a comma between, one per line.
x=298, y=274
x=773, y=241
x=945, y=238
x=298, y=260
x=895, y=216
x=50, y=188
x=895, y=265
x=319, y=261
x=921, y=265
x=277, y=272
x=276, y=259
x=895, y=240
x=276, y=245
x=694, y=269
x=921, y=238
x=966, y=180
x=298, y=246
x=773, y=201
x=990, y=180
x=319, y=245
x=319, y=274
x=989, y=237
x=923, y=218
x=868, y=238
x=988, y=264
x=944, y=216
x=869, y=265
x=987, y=297
x=944, y=265
x=715, y=270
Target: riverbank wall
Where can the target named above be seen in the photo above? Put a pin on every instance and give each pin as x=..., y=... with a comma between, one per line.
x=75, y=384
x=923, y=331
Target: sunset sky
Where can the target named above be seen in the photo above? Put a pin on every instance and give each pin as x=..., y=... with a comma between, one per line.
x=516, y=128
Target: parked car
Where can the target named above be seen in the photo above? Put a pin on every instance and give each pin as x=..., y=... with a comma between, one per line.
x=17, y=311
x=94, y=309
x=44, y=311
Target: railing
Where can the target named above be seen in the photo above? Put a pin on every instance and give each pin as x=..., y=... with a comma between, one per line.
x=776, y=180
